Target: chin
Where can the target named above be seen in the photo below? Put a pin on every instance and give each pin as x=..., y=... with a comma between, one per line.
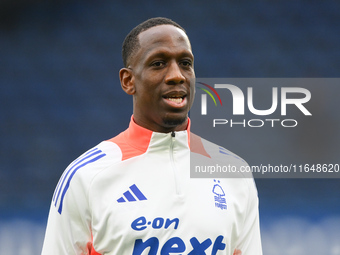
x=174, y=122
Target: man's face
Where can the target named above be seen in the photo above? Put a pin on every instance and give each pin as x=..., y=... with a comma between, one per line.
x=164, y=79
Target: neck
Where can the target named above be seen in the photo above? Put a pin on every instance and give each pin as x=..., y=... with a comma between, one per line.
x=165, y=126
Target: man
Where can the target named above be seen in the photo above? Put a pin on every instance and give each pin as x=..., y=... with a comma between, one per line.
x=133, y=193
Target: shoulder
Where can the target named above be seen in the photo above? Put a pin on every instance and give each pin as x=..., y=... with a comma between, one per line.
x=78, y=175
x=106, y=154
x=100, y=156
x=90, y=162
x=217, y=157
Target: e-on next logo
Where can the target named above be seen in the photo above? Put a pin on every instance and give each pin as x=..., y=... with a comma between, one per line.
x=238, y=105
x=165, y=244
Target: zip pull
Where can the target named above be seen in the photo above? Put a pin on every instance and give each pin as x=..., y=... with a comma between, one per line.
x=173, y=133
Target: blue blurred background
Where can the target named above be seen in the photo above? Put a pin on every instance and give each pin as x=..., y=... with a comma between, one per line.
x=60, y=95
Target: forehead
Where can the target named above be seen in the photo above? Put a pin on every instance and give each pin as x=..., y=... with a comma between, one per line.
x=163, y=36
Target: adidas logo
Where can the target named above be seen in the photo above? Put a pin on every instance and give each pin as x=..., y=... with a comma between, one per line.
x=134, y=195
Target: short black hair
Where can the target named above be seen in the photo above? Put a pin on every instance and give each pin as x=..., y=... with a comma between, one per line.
x=131, y=42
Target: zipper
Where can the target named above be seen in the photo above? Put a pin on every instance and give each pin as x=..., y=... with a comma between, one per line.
x=173, y=166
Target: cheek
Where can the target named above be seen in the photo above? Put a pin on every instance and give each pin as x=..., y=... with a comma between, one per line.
x=148, y=93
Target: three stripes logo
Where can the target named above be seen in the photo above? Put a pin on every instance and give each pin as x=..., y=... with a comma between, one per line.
x=226, y=152
x=65, y=180
x=204, y=97
x=131, y=195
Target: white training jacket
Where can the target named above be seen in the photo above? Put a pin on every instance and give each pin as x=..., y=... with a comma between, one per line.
x=133, y=195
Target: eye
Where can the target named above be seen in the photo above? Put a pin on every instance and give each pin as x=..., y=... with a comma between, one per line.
x=186, y=63
x=158, y=63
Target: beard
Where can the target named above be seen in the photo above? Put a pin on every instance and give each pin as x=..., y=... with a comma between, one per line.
x=169, y=122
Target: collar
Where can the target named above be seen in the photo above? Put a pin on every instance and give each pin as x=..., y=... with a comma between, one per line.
x=140, y=137
x=136, y=140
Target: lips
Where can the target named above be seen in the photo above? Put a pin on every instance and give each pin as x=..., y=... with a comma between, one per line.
x=175, y=98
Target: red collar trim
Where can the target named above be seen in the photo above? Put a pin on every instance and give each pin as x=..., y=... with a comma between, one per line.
x=135, y=140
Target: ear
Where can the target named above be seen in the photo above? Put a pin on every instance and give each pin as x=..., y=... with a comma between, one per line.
x=127, y=81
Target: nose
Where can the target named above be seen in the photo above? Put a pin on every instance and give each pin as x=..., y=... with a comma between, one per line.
x=174, y=75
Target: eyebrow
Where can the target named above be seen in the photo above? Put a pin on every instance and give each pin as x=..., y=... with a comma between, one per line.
x=165, y=53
